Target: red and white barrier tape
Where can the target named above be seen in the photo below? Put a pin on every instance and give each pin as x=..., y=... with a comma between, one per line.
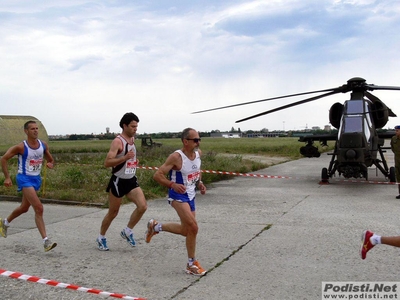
x=228, y=173
x=279, y=177
x=271, y=176
x=246, y=174
x=21, y=276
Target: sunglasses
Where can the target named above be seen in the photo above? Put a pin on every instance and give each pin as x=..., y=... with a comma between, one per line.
x=194, y=140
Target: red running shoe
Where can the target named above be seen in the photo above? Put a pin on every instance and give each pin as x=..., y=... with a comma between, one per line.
x=366, y=243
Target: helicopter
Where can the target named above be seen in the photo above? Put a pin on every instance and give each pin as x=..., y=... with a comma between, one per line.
x=358, y=145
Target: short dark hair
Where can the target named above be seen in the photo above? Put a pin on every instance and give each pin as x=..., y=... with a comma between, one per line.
x=185, y=133
x=127, y=119
x=26, y=125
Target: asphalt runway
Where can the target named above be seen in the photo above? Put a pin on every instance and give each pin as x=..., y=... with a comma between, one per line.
x=259, y=238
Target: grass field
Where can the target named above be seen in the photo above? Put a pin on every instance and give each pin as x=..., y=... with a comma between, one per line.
x=79, y=173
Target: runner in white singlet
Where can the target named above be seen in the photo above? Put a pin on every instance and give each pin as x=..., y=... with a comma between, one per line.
x=30, y=159
x=183, y=167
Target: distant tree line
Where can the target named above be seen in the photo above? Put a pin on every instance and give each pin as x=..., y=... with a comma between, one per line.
x=168, y=135
x=83, y=137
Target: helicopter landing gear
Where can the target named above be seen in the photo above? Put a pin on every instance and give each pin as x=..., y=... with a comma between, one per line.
x=324, y=176
x=392, y=174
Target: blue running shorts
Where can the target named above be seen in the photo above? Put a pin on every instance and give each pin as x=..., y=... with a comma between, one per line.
x=191, y=203
x=28, y=181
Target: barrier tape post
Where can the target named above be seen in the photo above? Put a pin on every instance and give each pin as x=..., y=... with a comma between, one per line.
x=54, y=283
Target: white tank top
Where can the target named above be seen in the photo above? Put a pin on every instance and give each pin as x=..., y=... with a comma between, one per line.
x=30, y=162
x=188, y=175
x=127, y=169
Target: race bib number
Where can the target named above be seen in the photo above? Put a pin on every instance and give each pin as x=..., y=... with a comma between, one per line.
x=131, y=167
x=35, y=165
x=193, y=178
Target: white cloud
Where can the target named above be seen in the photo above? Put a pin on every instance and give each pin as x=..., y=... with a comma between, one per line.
x=79, y=66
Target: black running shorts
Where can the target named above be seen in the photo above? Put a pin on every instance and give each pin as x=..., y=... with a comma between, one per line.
x=120, y=187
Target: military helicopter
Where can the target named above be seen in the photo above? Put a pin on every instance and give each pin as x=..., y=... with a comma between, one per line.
x=358, y=145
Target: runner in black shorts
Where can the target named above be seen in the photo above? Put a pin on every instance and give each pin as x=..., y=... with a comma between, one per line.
x=122, y=159
x=120, y=187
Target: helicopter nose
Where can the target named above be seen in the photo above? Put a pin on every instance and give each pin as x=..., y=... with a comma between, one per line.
x=351, y=153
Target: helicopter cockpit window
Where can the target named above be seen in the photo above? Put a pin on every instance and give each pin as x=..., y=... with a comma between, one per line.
x=367, y=115
x=353, y=124
x=355, y=107
x=367, y=132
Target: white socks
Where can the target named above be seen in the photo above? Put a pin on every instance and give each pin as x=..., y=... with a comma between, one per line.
x=190, y=261
x=158, y=227
x=375, y=239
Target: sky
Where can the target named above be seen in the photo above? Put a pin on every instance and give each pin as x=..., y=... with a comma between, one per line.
x=78, y=66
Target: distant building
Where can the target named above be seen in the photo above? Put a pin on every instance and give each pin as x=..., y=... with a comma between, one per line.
x=226, y=134
x=327, y=128
x=12, y=129
x=231, y=135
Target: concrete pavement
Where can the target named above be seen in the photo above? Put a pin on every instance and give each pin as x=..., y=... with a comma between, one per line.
x=259, y=238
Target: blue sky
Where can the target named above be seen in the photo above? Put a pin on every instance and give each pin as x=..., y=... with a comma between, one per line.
x=78, y=66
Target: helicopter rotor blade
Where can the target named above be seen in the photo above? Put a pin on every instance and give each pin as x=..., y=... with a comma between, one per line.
x=262, y=100
x=372, y=87
x=374, y=99
x=335, y=91
x=371, y=97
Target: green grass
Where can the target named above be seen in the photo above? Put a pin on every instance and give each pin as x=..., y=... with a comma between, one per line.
x=79, y=173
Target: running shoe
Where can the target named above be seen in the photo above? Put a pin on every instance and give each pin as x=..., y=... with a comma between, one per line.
x=129, y=239
x=195, y=269
x=3, y=228
x=48, y=245
x=150, y=232
x=102, y=244
x=366, y=243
